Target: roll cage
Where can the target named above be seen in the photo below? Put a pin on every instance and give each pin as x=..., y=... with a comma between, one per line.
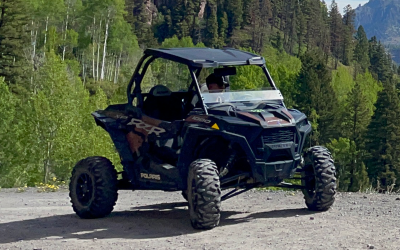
x=196, y=59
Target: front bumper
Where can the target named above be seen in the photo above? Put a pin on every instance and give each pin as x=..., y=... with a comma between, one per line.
x=279, y=161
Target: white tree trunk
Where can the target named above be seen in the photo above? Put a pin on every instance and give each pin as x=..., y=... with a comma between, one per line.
x=105, y=47
x=109, y=69
x=116, y=69
x=66, y=30
x=83, y=68
x=119, y=65
x=45, y=34
x=93, y=55
x=33, y=41
x=33, y=55
x=98, y=53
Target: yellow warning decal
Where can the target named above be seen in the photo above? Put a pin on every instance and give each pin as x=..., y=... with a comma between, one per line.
x=215, y=126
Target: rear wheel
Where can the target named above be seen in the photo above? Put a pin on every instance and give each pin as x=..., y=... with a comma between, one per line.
x=93, y=187
x=204, y=194
x=319, y=178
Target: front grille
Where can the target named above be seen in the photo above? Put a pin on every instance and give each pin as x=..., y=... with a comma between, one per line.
x=278, y=136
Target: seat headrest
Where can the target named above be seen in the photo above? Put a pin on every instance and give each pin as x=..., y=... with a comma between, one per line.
x=160, y=90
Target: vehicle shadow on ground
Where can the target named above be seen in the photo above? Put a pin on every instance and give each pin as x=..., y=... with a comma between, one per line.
x=142, y=222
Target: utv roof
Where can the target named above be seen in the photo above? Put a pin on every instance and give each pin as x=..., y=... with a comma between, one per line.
x=207, y=57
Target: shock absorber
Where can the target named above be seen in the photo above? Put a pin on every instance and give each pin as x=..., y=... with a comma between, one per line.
x=225, y=170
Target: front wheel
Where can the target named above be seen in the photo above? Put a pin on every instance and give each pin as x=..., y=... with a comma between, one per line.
x=204, y=194
x=319, y=178
x=93, y=187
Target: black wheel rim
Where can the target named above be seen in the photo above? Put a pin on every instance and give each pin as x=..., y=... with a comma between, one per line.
x=84, y=189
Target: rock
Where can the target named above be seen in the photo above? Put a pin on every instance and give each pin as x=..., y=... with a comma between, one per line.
x=297, y=215
x=398, y=199
x=311, y=218
x=269, y=198
x=370, y=246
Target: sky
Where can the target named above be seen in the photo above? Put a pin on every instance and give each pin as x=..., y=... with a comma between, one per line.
x=343, y=3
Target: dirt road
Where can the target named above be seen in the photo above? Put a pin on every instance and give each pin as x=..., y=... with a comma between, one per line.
x=159, y=220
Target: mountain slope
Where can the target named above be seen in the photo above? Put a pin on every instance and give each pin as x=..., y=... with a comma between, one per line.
x=380, y=18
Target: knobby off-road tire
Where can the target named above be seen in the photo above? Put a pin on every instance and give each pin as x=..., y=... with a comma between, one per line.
x=93, y=187
x=204, y=194
x=319, y=177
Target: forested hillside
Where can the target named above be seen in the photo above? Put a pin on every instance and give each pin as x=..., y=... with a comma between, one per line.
x=380, y=18
x=62, y=59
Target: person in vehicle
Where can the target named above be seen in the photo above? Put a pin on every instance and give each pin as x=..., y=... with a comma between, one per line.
x=215, y=83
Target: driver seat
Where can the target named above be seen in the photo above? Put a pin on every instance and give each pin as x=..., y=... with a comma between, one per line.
x=161, y=104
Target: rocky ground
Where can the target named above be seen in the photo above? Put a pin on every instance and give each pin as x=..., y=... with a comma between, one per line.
x=160, y=220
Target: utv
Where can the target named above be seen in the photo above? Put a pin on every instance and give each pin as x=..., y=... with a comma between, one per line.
x=203, y=142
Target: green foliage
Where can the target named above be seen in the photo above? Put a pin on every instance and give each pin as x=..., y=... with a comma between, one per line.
x=284, y=70
x=282, y=67
x=361, y=50
x=7, y=116
x=13, y=41
x=234, y=10
x=380, y=61
x=383, y=133
x=54, y=53
x=211, y=30
x=55, y=122
x=351, y=172
x=342, y=83
x=314, y=92
x=171, y=74
x=249, y=77
x=341, y=152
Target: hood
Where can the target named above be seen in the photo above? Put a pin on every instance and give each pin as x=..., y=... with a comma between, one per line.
x=266, y=116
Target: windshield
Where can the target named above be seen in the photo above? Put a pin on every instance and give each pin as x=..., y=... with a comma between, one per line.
x=242, y=96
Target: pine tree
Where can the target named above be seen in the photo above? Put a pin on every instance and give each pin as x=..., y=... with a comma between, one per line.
x=360, y=55
x=348, y=33
x=380, y=63
x=336, y=28
x=356, y=121
x=301, y=27
x=191, y=18
x=222, y=29
x=257, y=28
x=316, y=25
x=141, y=24
x=383, y=137
x=290, y=26
x=164, y=28
x=211, y=30
x=315, y=93
x=360, y=180
x=179, y=20
x=13, y=40
x=358, y=115
x=234, y=10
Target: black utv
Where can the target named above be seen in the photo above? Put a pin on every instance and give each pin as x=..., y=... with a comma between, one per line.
x=186, y=137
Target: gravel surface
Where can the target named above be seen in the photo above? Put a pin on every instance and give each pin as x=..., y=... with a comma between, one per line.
x=160, y=220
